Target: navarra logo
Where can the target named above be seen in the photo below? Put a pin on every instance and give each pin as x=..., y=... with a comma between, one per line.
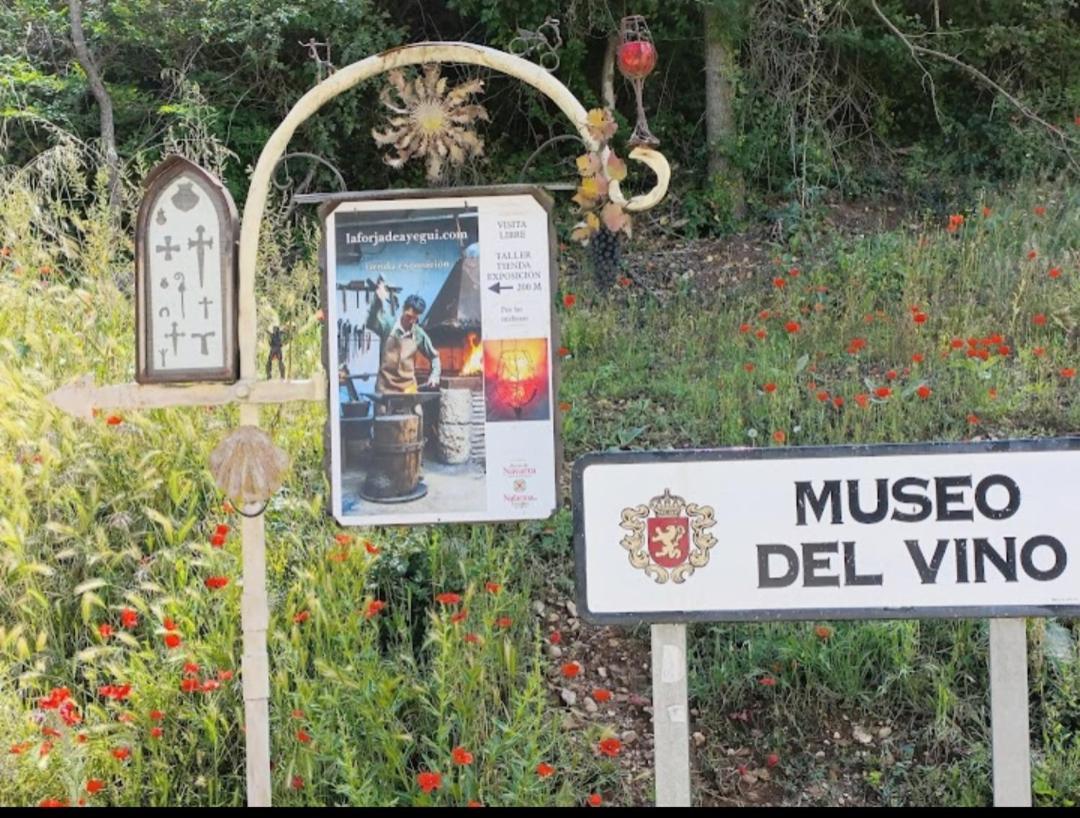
x=668, y=537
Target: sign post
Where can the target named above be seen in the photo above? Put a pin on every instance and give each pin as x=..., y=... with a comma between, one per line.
x=964, y=530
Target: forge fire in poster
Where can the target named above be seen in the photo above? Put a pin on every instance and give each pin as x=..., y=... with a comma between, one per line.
x=440, y=332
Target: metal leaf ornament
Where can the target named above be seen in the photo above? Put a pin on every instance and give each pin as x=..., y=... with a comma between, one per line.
x=247, y=466
x=429, y=121
x=598, y=169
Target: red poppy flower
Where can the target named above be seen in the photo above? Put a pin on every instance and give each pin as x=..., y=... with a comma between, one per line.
x=955, y=222
x=744, y=328
x=890, y=375
x=917, y=358
x=225, y=675
x=46, y=748
x=564, y=406
x=190, y=668
x=172, y=640
x=838, y=401
x=471, y=639
x=301, y=617
x=760, y=334
x=778, y=283
x=862, y=399
x=973, y=419
x=767, y=681
x=117, y=692
x=105, y=629
x=764, y=315
x=569, y=300
x=749, y=367
x=373, y=608
x=769, y=387
x=429, y=781
x=459, y=616
x=1032, y=255
x=956, y=343
x=1068, y=372
x=69, y=714
x=543, y=769
x=1055, y=272
x=986, y=212
x=209, y=686
x=19, y=749
x=169, y=624
x=823, y=631
x=52, y=802
x=448, y=598
x=773, y=759
x=563, y=352
x=217, y=540
x=114, y=420
x=856, y=344
x=156, y=715
x=50, y=732
x=923, y=391
x=571, y=669
x=1039, y=319
x=624, y=281
x=297, y=783
x=303, y=737
x=503, y=622
x=610, y=747
x=461, y=756
x=156, y=732
x=474, y=804
x=370, y=547
x=82, y=738
x=95, y=785
x=56, y=697
x=216, y=583
x=792, y=326
x=779, y=436
x=822, y=396
x=1039, y=210
x=1004, y=350
x=129, y=619
x=883, y=391
x=492, y=587
x=189, y=685
x=555, y=638
x=121, y=753
x=342, y=538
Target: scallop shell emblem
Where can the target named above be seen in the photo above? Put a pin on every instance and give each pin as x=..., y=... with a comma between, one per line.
x=247, y=466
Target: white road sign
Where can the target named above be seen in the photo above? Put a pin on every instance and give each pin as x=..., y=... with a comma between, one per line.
x=890, y=531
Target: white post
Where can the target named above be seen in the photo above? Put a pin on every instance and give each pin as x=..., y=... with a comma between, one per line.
x=671, y=725
x=1009, y=713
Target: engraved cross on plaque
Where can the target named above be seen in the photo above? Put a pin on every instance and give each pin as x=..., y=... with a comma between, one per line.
x=174, y=336
x=201, y=246
x=168, y=248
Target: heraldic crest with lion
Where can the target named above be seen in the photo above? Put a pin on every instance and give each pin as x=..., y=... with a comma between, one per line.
x=668, y=537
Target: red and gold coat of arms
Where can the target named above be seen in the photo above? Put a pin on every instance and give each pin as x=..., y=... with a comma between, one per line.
x=668, y=537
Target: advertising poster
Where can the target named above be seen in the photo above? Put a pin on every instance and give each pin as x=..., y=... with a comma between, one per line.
x=439, y=323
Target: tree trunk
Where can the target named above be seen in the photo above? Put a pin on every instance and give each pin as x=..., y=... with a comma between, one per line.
x=104, y=101
x=607, y=72
x=719, y=108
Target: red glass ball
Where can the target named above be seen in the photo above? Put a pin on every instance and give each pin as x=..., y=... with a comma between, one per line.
x=637, y=59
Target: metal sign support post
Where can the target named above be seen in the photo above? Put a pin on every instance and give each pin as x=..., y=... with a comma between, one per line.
x=671, y=716
x=1011, y=739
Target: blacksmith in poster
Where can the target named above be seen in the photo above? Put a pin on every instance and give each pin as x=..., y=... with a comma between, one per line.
x=400, y=340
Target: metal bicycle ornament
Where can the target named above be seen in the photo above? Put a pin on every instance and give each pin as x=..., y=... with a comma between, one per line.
x=544, y=44
x=636, y=60
x=250, y=392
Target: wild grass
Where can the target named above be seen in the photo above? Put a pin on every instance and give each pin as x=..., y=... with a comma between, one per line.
x=100, y=517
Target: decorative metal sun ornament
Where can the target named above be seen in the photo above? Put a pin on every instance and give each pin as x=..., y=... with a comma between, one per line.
x=430, y=121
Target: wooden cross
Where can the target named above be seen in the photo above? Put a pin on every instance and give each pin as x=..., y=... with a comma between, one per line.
x=80, y=397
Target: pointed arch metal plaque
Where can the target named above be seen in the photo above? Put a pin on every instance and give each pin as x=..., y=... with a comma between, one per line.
x=185, y=277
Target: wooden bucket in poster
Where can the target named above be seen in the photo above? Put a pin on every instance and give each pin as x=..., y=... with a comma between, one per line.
x=394, y=460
